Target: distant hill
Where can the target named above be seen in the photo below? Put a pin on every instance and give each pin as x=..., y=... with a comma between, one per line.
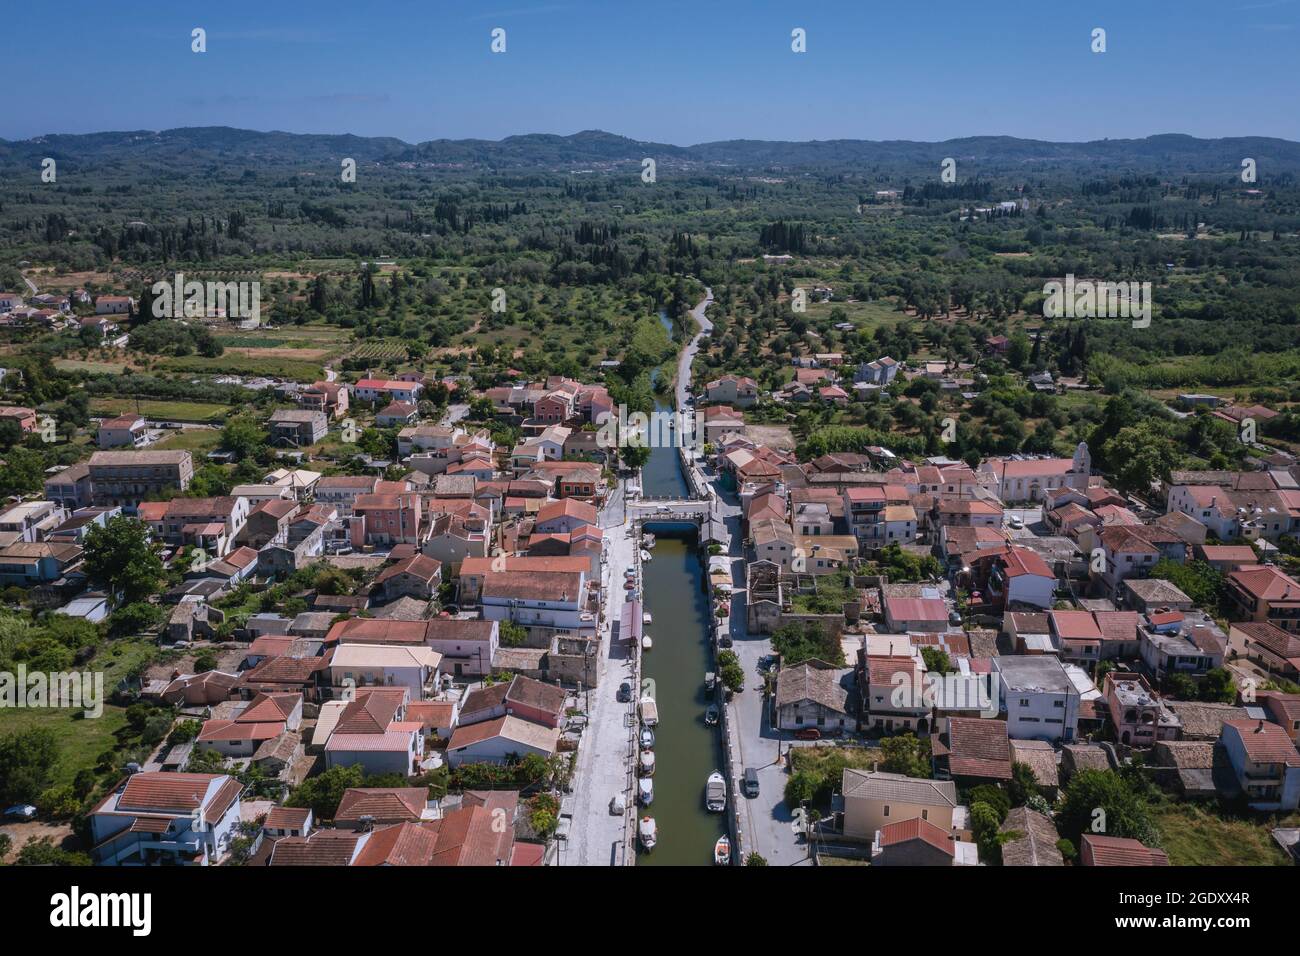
x=221, y=145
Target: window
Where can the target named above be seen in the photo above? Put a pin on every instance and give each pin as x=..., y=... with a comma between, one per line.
x=886, y=809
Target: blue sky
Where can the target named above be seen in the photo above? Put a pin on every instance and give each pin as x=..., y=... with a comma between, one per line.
x=661, y=70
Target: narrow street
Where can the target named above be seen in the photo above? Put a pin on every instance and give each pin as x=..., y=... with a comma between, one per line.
x=595, y=835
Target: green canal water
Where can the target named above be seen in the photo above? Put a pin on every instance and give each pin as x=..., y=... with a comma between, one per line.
x=686, y=750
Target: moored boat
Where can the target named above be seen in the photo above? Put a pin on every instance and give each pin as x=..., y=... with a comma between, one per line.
x=646, y=643
x=711, y=714
x=647, y=763
x=649, y=711
x=649, y=833
x=645, y=791
x=646, y=618
x=722, y=851
x=647, y=738
x=715, y=793
x=646, y=556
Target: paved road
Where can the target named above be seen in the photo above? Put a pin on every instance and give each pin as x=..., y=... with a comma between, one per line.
x=604, y=755
x=688, y=354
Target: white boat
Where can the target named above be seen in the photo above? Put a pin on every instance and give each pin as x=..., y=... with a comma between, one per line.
x=649, y=711
x=645, y=791
x=646, y=618
x=646, y=762
x=710, y=681
x=649, y=833
x=646, y=643
x=647, y=739
x=647, y=556
x=648, y=540
x=715, y=793
x=722, y=851
x=711, y=715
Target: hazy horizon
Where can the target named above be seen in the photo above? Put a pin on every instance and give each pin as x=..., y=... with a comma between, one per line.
x=671, y=72
x=577, y=132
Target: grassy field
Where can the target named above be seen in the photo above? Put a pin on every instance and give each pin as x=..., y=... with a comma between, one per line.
x=180, y=411
x=197, y=440
x=1195, y=837
x=235, y=364
x=94, y=368
x=865, y=315
x=82, y=739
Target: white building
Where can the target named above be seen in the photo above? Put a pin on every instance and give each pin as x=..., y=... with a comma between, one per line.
x=1040, y=699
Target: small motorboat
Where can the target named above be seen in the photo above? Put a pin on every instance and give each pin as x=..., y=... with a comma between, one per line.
x=645, y=791
x=648, y=540
x=722, y=851
x=646, y=643
x=629, y=584
x=649, y=711
x=711, y=715
x=710, y=680
x=649, y=834
x=647, y=556
x=715, y=792
x=647, y=763
x=647, y=738
x=646, y=618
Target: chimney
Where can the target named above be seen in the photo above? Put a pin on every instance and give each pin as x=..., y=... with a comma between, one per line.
x=1259, y=729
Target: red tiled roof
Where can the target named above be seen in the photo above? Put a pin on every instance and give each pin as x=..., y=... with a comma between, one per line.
x=1122, y=851
x=979, y=748
x=1265, y=742
x=917, y=829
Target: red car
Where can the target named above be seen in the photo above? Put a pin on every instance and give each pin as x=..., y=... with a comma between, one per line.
x=808, y=733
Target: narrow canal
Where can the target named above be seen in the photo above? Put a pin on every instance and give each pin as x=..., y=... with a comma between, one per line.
x=686, y=749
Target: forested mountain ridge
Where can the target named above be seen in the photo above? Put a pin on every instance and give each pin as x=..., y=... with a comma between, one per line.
x=1170, y=153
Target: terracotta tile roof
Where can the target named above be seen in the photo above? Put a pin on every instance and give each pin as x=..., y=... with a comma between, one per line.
x=511, y=728
x=528, y=692
x=882, y=670
x=916, y=829
x=1075, y=625
x=321, y=848
x=236, y=730
x=567, y=507
x=979, y=748
x=174, y=792
x=404, y=844
x=1265, y=742
x=470, y=837
x=286, y=818
x=269, y=707
x=1121, y=851
x=1266, y=583
x=371, y=712
x=1036, y=843
x=384, y=804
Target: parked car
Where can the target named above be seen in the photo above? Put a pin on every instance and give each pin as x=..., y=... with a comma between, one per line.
x=750, y=782
x=807, y=733
x=625, y=692
x=22, y=811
